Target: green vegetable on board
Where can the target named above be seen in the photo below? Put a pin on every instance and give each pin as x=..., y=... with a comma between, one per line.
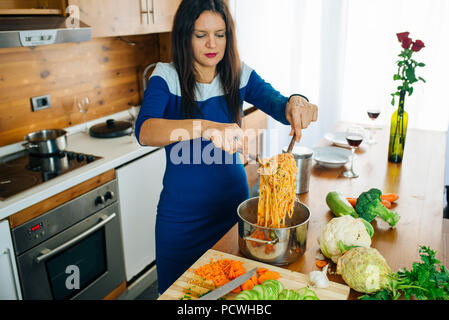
x=369, y=206
x=274, y=290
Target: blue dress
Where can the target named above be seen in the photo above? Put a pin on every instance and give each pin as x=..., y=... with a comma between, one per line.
x=203, y=185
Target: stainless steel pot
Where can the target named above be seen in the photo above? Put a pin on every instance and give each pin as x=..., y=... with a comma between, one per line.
x=48, y=141
x=279, y=246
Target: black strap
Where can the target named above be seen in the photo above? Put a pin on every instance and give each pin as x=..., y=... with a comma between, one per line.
x=297, y=94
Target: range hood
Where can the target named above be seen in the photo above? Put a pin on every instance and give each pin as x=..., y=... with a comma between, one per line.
x=29, y=31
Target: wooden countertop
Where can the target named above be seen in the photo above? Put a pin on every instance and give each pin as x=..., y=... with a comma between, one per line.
x=419, y=181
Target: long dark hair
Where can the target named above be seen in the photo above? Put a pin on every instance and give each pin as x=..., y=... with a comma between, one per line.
x=228, y=68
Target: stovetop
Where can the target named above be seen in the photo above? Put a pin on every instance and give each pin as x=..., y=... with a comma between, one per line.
x=21, y=171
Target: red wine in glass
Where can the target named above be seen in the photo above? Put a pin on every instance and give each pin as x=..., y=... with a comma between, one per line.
x=373, y=114
x=354, y=140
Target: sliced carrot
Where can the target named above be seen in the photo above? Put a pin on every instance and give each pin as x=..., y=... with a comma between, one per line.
x=268, y=275
x=392, y=197
x=386, y=203
x=261, y=270
x=248, y=285
x=352, y=201
x=320, y=263
x=237, y=290
x=254, y=279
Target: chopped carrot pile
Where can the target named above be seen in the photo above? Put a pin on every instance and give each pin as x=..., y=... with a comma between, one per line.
x=221, y=271
x=224, y=270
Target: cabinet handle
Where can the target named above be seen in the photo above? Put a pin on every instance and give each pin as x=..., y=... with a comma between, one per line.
x=8, y=253
x=148, y=12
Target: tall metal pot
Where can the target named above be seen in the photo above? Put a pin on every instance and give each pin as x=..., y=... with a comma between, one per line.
x=278, y=246
x=48, y=141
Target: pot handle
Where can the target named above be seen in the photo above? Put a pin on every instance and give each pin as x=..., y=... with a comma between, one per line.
x=29, y=145
x=261, y=241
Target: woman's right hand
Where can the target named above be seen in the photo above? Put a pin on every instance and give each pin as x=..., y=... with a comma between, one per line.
x=227, y=136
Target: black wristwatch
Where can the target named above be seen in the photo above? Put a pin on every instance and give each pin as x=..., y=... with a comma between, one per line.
x=297, y=94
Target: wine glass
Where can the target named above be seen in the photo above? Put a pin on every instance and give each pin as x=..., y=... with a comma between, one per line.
x=83, y=104
x=354, y=137
x=373, y=113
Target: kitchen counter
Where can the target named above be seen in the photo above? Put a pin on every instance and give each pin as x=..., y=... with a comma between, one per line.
x=114, y=152
x=419, y=182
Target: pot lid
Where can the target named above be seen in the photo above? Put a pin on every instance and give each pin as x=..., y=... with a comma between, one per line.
x=299, y=152
x=111, y=129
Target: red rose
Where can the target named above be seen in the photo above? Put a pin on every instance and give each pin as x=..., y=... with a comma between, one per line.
x=406, y=43
x=417, y=45
x=403, y=35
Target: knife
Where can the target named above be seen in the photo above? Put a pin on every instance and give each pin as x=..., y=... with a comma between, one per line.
x=220, y=292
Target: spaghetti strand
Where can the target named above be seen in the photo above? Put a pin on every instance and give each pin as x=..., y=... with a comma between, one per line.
x=277, y=190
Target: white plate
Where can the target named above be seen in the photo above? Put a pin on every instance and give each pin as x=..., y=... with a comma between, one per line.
x=339, y=139
x=331, y=157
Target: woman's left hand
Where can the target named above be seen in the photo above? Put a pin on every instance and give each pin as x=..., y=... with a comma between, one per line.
x=299, y=112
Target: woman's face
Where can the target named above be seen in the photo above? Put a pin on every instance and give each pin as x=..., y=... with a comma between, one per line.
x=209, y=39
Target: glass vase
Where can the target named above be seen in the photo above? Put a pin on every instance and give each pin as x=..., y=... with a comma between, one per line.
x=398, y=132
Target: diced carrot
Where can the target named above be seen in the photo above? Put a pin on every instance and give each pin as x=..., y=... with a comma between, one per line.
x=352, y=201
x=392, y=197
x=269, y=248
x=221, y=271
x=320, y=263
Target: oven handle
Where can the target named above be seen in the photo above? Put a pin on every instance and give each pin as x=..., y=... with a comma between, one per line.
x=47, y=253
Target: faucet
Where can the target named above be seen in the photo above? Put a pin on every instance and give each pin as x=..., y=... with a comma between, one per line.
x=144, y=75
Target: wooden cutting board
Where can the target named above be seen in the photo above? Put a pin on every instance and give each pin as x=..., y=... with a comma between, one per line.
x=290, y=279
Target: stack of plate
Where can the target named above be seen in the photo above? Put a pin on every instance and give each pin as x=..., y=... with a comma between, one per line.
x=331, y=157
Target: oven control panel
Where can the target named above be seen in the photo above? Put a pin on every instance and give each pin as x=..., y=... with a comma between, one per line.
x=41, y=228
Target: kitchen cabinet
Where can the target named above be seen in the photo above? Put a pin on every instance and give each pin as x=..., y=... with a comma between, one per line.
x=127, y=17
x=140, y=185
x=9, y=278
x=32, y=7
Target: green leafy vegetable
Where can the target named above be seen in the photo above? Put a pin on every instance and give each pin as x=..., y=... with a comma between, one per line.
x=427, y=280
x=369, y=206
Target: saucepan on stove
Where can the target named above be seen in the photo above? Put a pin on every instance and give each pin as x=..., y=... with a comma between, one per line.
x=277, y=246
x=45, y=142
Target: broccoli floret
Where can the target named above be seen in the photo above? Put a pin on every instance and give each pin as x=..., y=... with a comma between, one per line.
x=369, y=206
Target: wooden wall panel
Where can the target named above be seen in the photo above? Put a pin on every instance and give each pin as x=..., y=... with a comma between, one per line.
x=108, y=70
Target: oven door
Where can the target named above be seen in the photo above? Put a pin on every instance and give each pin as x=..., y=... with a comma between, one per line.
x=84, y=261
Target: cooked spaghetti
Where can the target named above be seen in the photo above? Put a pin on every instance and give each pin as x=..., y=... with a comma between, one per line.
x=277, y=190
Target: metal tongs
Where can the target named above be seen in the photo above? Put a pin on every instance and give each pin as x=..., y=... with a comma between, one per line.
x=292, y=144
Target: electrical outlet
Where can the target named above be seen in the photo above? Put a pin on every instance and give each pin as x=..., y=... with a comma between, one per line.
x=40, y=103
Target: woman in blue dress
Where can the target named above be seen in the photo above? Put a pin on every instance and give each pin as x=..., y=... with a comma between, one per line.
x=193, y=108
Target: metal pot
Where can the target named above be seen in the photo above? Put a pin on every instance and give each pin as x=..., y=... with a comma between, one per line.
x=48, y=141
x=280, y=246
